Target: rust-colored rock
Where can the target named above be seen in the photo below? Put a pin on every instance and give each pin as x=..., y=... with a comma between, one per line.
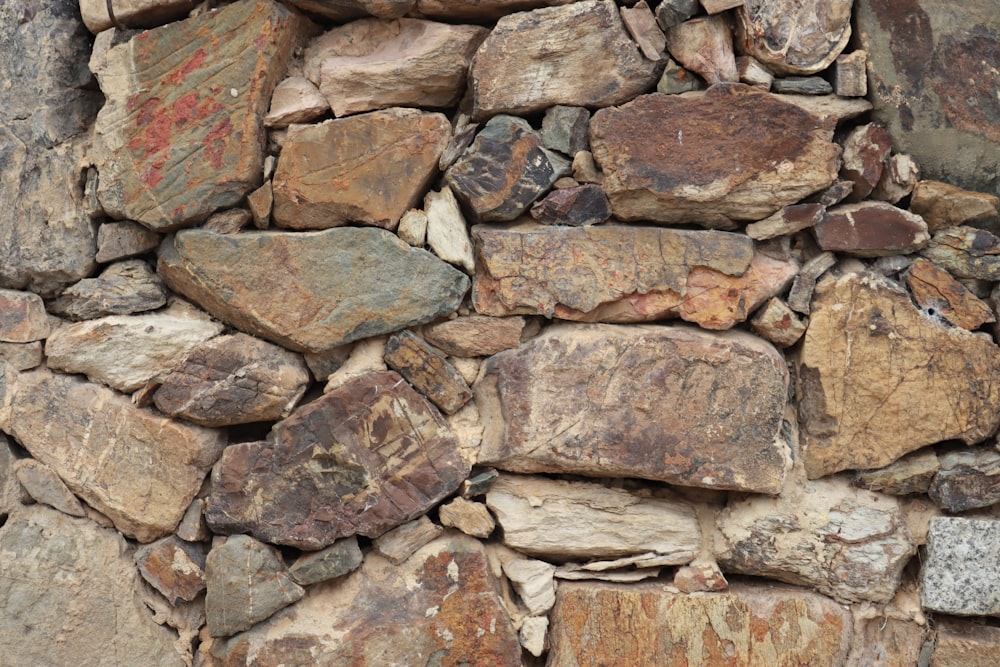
x=428, y=371
x=787, y=221
x=778, y=323
x=865, y=151
x=173, y=567
x=965, y=643
x=704, y=46
x=938, y=294
x=582, y=205
x=871, y=229
x=475, y=335
x=944, y=205
x=22, y=317
x=794, y=37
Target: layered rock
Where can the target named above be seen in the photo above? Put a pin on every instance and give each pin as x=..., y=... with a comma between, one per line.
x=123, y=288
x=795, y=38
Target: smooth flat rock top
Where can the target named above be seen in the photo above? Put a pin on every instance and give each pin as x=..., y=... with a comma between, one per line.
x=960, y=567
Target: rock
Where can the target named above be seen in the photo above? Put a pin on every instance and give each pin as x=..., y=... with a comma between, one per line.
x=579, y=206
x=180, y=133
x=332, y=283
x=871, y=229
x=229, y=221
x=173, y=567
x=943, y=205
x=368, y=169
x=671, y=12
x=830, y=109
x=787, y=221
x=566, y=129
x=675, y=79
x=22, y=317
x=910, y=474
x=750, y=183
x=126, y=351
x=752, y=73
x=585, y=169
x=71, y=596
x=475, y=335
x=45, y=487
x=563, y=520
x=940, y=295
x=846, y=543
x=123, y=288
x=899, y=177
x=341, y=11
x=261, y=203
x=192, y=527
x=136, y=467
x=362, y=459
x=366, y=356
x=403, y=541
x=967, y=480
x=794, y=37
x=965, y=644
x=958, y=567
x=778, y=323
x=696, y=578
x=447, y=233
x=534, y=582
x=965, y=252
x=800, y=296
x=22, y=356
x=386, y=615
x=295, y=100
x=413, y=228
x=868, y=357
x=132, y=13
x=580, y=54
x=599, y=623
x=641, y=24
x=533, y=634
x=801, y=85
x=120, y=240
x=934, y=87
x=247, y=582
x=865, y=151
x=336, y=560
x=373, y=64
x=608, y=400
x=231, y=380
x=704, y=46
x=504, y=170
x=428, y=371
x=469, y=517
x=12, y=494
x=850, y=78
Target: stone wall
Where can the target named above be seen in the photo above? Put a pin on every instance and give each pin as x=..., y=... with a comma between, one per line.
x=499, y=332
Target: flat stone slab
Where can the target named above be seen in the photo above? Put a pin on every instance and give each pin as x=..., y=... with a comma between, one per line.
x=960, y=567
x=871, y=229
x=673, y=404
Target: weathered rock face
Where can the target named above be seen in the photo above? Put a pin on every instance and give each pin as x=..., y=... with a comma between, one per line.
x=936, y=292
x=173, y=567
x=345, y=10
x=942, y=205
x=672, y=404
x=180, y=134
x=123, y=288
x=22, y=317
x=428, y=371
x=959, y=553
x=795, y=38
x=364, y=458
x=579, y=54
x=960, y=644
x=966, y=252
x=475, y=335
x=871, y=229
x=718, y=173
x=133, y=13
x=336, y=286
x=44, y=486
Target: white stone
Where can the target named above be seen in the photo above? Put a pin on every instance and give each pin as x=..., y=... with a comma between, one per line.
x=447, y=232
x=413, y=227
x=534, y=581
x=295, y=100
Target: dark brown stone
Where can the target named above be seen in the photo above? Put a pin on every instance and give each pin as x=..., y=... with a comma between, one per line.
x=968, y=479
x=428, y=371
x=582, y=205
x=871, y=229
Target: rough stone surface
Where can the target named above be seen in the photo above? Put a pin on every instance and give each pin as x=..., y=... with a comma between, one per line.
x=899, y=177
x=22, y=356
x=337, y=286
x=336, y=172
x=119, y=240
x=871, y=229
x=580, y=54
x=469, y=517
x=965, y=252
x=362, y=459
x=475, y=335
x=12, y=494
x=582, y=205
x=795, y=37
x=967, y=480
x=295, y=100
x=534, y=582
x=173, y=567
x=138, y=468
x=428, y=371
x=801, y=85
x=645, y=624
x=71, y=596
x=865, y=151
x=704, y=46
x=938, y=294
x=45, y=487
x=336, y=560
x=957, y=570
x=566, y=129
x=778, y=323
x=944, y=205
x=173, y=143
x=403, y=541
x=22, y=317
x=718, y=173
x=910, y=474
x=965, y=645
x=647, y=402
x=342, y=11
x=231, y=380
x=868, y=357
x=447, y=233
x=123, y=288
x=641, y=24
x=133, y=13
x=787, y=221
x=850, y=78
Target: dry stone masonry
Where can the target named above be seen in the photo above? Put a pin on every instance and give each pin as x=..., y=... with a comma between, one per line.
x=499, y=332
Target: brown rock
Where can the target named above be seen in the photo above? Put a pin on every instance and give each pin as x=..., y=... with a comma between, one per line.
x=899, y=177
x=579, y=54
x=849, y=74
x=746, y=182
x=578, y=206
x=363, y=458
x=778, y=323
x=965, y=643
x=794, y=37
x=699, y=578
x=751, y=72
x=295, y=100
x=910, y=474
x=479, y=11
x=173, y=567
x=943, y=205
x=871, y=229
x=967, y=480
x=22, y=317
x=704, y=46
x=428, y=371
x=601, y=399
x=192, y=527
x=469, y=517
x=787, y=221
x=123, y=288
x=338, y=172
x=261, y=202
x=865, y=151
x=868, y=357
x=403, y=541
x=118, y=240
x=133, y=13
x=45, y=487
x=965, y=252
x=229, y=221
x=641, y=24
x=341, y=11
x=938, y=294
x=22, y=356
x=675, y=79
x=830, y=109
x=475, y=335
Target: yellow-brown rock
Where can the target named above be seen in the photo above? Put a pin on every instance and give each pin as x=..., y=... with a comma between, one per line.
x=938, y=294
x=944, y=205
x=428, y=371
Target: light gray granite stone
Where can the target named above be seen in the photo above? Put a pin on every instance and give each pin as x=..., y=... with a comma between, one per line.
x=961, y=567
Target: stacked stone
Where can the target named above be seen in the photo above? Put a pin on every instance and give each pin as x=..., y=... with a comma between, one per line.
x=345, y=286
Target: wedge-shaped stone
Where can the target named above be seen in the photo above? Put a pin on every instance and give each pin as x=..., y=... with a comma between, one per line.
x=362, y=459
x=335, y=286
x=719, y=170
x=368, y=169
x=673, y=404
x=648, y=624
x=119, y=240
x=868, y=356
x=965, y=252
x=22, y=317
x=180, y=134
x=478, y=11
x=133, y=465
x=580, y=54
x=937, y=293
x=123, y=288
x=795, y=37
x=909, y=474
x=475, y=335
x=871, y=229
x=581, y=520
x=968, y=479
x=44, y=486
x=335, y=561
x=173, y=567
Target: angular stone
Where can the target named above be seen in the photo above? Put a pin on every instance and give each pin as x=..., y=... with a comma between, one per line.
x=126, y=351
x=469, y=517
x=534, y=582
x=579, y=206
x=846, y=543
x=504, y=170
x=133, y=13
x=566, y=129
x=565, y=520
x=965, y=644
x=71, y=596
x=428, y=371
x=960, y=566
x=338, y=172
x=940, y=295
x=192, y=527
x=965, y=252
x=868, y=357
x=295, y=100
x=967, y=480
x=718, y=6
x=675, y=79
x=830, y=109
x=646, y=624
x=337, y=286
x=341, y=11
x=373, y=64
x=585, y=169
x=778, y=323
x=943, y=205
x=533, y=634
x=746, y=181
x=231, y=380
x=801, y=85
x=229, y=221
x=22, y=356
x=247, y=582
x=413, y=228
x=704, y=46
x=119, y=240
x=136, y=467
x=850, y=77
x=45, y=487
x=123, y=288
x=475, y=335
x=899, y=177
x=447, y=233
x=871, y=229
x=641, y=24
x=579, y=54
x=180, y=134
x=442, y=604
x=865, y=151
x=363, y=458
x=751, y=72
x=787, y=221
x=22, y=317
x=671, y=12
x=701, y=577
x=173, y=567
x=794, y=37
x=403, y=541
x=800, y=296
x=910, y=474
x=336, y=560
x=261, y=203
x=646, y=402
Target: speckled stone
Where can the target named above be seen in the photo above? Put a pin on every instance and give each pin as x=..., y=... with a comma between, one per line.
x=961, y=567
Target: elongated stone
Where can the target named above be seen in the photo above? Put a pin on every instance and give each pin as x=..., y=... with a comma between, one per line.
x=704, y=46
x=428, y=371
x=133, y=13
x=123, y=288
x=910, y=474
x=118, y=240
x=342, y=11
x=967, y=480
x=871, y=229
x=795, y=37
x=965, y=252
x=22, y=317
x=45, y=487
x=938, y=294
x=475, y=335
x=944, y=205
x=335, y=561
